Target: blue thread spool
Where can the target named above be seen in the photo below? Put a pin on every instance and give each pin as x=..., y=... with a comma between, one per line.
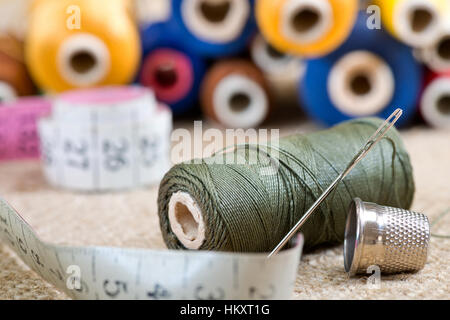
x=213, y=29
x=171, y=70
x=371, y=74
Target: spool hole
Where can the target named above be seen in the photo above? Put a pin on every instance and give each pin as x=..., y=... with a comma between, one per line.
x=350, y=237
x=83, y=61
x=166, y=75
x=239, y=102
x=186, y=220
x=443, y=104
x=274, y=53
x=360, y=84
x=444, y=48
x=421, y=20
x=215, y=12
x=305, y=19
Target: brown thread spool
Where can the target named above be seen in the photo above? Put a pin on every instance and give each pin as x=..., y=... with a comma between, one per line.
x=437, y=55
x=13, y=72
x=442, y=53
x=235, y=94
x=415, y=22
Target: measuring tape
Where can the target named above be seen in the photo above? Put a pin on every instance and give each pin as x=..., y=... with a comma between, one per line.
x=114, y=273
x=106, y=139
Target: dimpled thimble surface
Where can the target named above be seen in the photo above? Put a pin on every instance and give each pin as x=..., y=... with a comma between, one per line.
x=395, y=240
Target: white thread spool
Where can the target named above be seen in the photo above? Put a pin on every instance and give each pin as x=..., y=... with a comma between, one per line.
x=7, y=92
x=361, y=84
x=186, y=220
x=435, y=103
x=84, y=60
x=240, y=102
x=306, y=21
x=215, y=21
x=417, y=22
x=437, y=56
x=282, y=71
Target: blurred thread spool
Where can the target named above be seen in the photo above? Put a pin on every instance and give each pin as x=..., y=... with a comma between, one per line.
x=306, y=27
x=81, y=43
x=13, y=17
x=371, y=74
x=415, y=22
x=14, y=78
x=435, y=101
x=282, y=71
x=235, y=94
x=213, y=28
x=174, y=73
x=18, y=128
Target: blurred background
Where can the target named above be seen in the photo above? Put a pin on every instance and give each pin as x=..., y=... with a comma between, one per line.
x=293, y=65
x=238, y=63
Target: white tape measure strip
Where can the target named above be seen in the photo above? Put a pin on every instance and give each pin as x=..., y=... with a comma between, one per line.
x=106, y=147
x=113, y=273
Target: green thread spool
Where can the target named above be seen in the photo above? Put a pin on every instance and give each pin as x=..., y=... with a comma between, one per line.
x=232, y=207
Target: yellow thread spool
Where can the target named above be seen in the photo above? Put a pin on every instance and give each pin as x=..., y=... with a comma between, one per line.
x=415, y=22
x=82, y=43
x=306, y=27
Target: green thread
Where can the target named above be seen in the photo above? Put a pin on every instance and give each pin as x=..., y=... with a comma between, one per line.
x=439, y=218
x=245, y=211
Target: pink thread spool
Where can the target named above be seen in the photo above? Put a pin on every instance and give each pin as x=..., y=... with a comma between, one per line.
x=19, y=139
x=169, y=73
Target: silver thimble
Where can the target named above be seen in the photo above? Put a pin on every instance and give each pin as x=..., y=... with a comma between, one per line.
x=395, y=240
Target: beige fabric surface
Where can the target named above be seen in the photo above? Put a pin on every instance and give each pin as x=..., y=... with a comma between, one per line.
x=129, y=219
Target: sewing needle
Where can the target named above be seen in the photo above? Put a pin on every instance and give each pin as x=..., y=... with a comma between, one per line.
x=373, y=140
